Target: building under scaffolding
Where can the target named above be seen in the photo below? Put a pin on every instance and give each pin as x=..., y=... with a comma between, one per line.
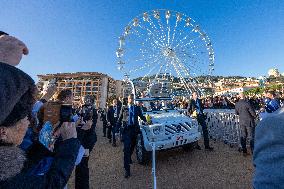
x=99, y=85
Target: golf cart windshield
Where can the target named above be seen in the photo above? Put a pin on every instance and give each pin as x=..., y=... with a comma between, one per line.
x=155, y=104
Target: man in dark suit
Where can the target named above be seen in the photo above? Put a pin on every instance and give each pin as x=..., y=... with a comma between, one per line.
x=129, y=119
x=88, y=137
x=112, y=116
x=196, y=107
x=247, y=115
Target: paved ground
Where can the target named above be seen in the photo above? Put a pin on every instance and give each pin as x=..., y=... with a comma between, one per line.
x=222, y=168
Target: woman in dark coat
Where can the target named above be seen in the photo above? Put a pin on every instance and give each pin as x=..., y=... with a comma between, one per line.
x=17, y=170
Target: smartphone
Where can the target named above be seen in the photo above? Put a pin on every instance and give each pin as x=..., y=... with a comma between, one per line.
x=46, y=136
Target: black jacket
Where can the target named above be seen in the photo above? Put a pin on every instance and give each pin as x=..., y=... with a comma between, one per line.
x=88, y=138
x=110, y=114
x=95, y=117
x=103, y=117
x=124, y=115
x=245, y=112
x=57, y=176
x=192, y=106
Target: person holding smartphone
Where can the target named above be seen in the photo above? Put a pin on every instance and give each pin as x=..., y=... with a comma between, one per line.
x=87, y=136
x=17, y=98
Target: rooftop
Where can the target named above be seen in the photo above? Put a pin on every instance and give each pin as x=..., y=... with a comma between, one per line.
x=72, y=75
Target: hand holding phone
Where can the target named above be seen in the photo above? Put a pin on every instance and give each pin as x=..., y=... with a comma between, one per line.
x=67, y=130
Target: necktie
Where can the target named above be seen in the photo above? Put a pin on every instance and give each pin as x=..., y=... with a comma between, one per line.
x=131, y=115
x=198, y=106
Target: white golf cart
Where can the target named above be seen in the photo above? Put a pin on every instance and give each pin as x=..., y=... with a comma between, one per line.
x=167, y=128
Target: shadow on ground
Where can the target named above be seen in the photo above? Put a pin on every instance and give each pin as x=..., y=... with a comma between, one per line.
x=225, y=168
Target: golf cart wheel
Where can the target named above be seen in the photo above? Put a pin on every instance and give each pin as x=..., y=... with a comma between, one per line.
x=143, y=156
x=189, y=147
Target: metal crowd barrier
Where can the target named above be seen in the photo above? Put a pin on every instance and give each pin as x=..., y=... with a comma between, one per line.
x=223, y=125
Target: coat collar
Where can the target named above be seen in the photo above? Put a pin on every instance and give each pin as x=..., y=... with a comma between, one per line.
x=12, y=161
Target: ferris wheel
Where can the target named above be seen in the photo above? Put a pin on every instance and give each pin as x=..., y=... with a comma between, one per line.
x=168, y=49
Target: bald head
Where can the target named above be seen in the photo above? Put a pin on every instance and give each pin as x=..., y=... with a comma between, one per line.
x=11, y=50
x=242, y=96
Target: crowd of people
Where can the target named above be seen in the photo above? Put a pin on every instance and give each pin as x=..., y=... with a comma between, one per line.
x=43, y=140
x=228, y=102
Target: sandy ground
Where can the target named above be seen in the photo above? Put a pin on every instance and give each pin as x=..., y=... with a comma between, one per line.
x=224, y=168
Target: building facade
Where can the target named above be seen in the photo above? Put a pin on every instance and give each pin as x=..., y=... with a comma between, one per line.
x=99, y=85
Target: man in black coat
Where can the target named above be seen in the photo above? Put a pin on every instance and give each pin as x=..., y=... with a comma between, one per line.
x=247, y=125
x=129, y=118
x=104, y=120
x=112, y=116
x=87, y=136
x=196, y=107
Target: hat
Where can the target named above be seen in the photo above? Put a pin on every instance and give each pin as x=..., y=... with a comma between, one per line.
x=3, y=33
x=16, y=94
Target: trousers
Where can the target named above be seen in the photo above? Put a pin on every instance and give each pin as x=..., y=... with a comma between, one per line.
x=109, y=128
x=82, y=174
x=202, y=123
x=104, y=128
x=129, y=141
x=247, y=133
x=113, y=130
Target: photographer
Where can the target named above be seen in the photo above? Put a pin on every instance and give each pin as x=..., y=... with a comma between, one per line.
x=87, y=136
x=17, y=169
x=271, y=103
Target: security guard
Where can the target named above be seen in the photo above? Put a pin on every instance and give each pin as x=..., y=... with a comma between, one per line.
x=112, y=116
x=195, y=107
x=129, y=119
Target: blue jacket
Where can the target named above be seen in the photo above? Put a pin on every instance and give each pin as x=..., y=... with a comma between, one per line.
x=268, y=156
x=271, y=105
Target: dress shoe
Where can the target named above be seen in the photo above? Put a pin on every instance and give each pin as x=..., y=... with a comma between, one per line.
x=198, y=147
x=109, y=141
x=209, y=148
x=127, y=174
x=245, y=154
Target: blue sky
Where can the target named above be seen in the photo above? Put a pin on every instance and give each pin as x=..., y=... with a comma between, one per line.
x=70, y=36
